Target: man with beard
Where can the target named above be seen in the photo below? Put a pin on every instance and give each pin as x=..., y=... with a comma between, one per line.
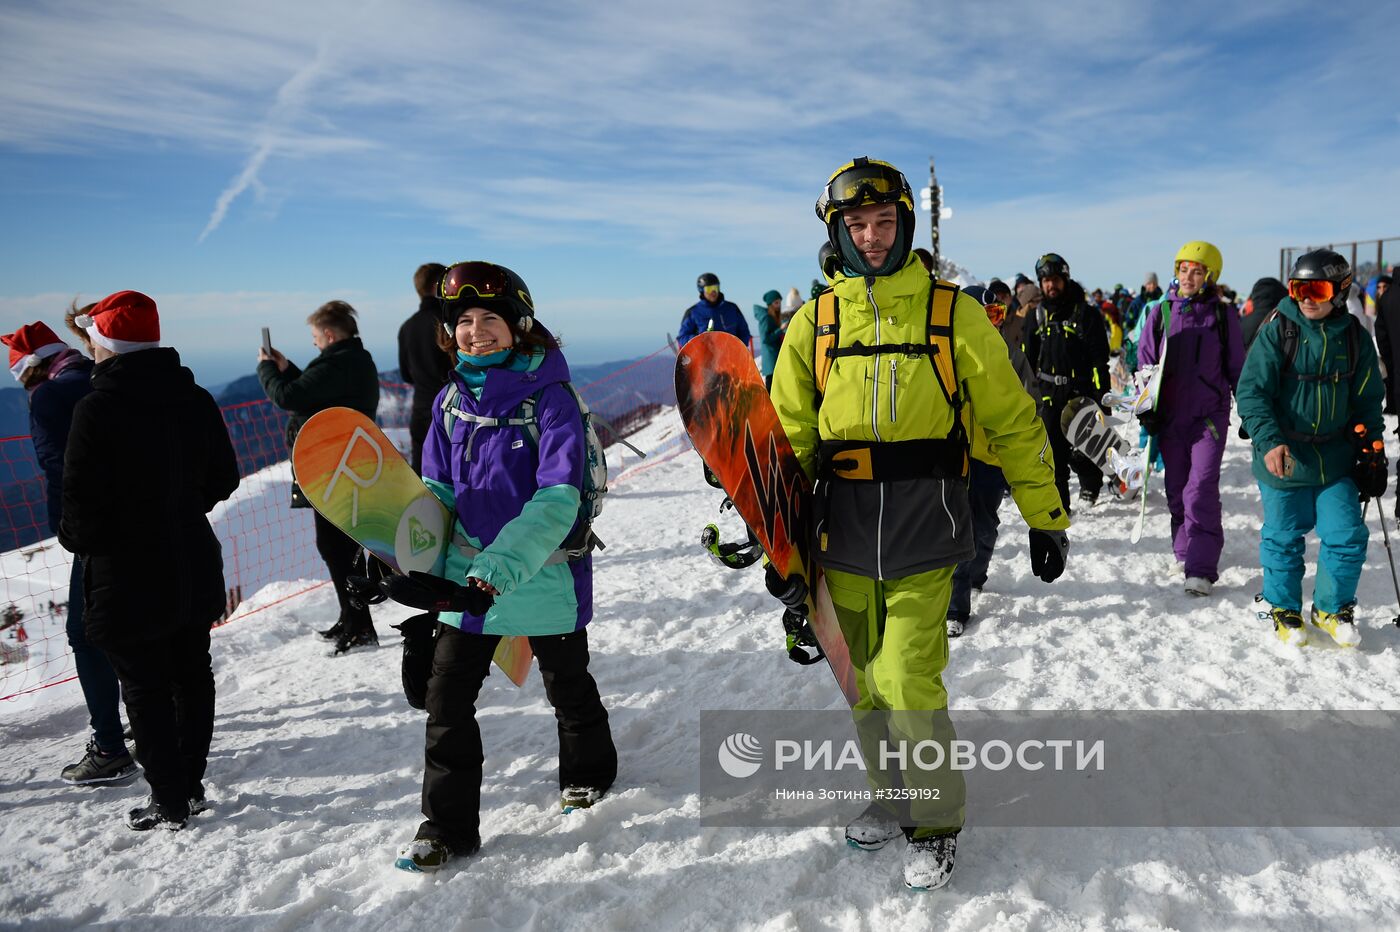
x=1067, y=344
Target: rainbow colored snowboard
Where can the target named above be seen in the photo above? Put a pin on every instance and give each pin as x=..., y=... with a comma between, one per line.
x=735, y=430
x=353, y=476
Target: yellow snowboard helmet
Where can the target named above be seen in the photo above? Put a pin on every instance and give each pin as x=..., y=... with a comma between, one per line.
x=1207, y=254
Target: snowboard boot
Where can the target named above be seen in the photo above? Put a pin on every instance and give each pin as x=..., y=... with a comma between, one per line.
x=956, y=624
x=1088, y=497
x=1341, y=625
x=928, y=862
x=1288, y=625
x=1198, y=585
x=152, y=814
x=97, y=767
x=579, y=797
x=424, y=855
x=872, y=829
x=334, y=632
x=350, y=642
x=802, y=646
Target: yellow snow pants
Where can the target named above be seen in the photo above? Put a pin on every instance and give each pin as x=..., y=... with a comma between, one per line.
x=896, y=630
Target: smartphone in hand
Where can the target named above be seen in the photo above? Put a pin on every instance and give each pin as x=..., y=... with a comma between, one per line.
x=267, y=341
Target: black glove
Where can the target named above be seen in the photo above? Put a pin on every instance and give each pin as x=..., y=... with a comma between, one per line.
x=1371, y=473
x=1150, y=421
x=1048, y=549
x=792, y=591
x=435, y=594
x=419, y=641
x=362, y=583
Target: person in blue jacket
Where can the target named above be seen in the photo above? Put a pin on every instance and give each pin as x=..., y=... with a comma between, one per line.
x=712, y=312
x=56, y=376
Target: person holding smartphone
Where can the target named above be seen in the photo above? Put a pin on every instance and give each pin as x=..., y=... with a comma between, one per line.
x=343, y=374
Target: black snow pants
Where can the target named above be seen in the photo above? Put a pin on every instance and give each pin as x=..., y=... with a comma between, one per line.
x=168, y=686
x=453, y=752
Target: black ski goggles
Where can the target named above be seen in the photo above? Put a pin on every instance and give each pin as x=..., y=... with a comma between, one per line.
x=1051, y=264
x=870, y=183
x=483, y=280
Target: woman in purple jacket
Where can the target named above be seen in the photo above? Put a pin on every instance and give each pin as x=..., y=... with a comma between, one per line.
x=1192, y=416
x=506, y=452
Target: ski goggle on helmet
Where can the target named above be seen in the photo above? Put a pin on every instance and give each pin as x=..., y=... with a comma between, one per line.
x=1050, y=265
x=491, y=286
x=863, y=181
x=996, y=312
x=1322, y=276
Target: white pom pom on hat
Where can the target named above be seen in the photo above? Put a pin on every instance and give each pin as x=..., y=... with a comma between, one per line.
x=123, y=322
x=30, y=345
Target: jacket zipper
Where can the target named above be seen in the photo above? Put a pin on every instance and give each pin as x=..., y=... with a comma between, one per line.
x=875, y=382
x=943, y=490
x=879, y=537
x=894, y=363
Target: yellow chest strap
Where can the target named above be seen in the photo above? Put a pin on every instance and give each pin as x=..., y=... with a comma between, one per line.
x=939, y=348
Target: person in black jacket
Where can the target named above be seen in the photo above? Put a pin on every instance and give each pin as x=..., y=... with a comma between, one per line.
x=422, y=363
x=1067, y=344
x=1388, y=346
x=148, y=458
x=1263, y=300
x=56, y=378
x=343, y=375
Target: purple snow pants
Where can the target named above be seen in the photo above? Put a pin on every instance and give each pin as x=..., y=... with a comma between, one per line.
x=1191, y=450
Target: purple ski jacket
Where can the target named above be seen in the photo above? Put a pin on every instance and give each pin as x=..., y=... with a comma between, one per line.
x=514, y=501
x=1201, y=372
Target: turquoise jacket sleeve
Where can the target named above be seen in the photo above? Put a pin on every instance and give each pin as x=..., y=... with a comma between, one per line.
x=519, y=551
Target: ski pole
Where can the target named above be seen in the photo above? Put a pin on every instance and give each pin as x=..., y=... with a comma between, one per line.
x=1389, y=556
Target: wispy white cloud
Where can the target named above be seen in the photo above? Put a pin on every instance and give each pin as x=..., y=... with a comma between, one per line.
x=693, y=126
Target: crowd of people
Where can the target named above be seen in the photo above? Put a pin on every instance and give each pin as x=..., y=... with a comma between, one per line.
x=954, y=397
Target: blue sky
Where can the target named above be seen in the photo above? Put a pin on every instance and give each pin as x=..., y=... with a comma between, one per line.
x=243, y=162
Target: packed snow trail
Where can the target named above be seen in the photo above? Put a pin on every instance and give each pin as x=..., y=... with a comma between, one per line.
x=315, y=769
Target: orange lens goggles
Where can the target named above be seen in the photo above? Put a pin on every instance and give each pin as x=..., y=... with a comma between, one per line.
x=1318, y=290
x=996, y=312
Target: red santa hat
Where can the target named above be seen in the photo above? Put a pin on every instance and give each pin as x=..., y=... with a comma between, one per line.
x=123, y=322
x=31, y=344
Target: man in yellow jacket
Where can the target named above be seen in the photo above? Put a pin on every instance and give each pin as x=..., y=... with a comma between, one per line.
x=873, y=387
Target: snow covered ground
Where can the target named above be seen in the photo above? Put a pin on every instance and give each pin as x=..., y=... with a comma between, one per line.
x=314, y=774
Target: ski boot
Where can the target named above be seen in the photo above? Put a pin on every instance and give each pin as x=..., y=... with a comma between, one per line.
x=956, y=624
x=96, y=767
x=579, y=797
x=1088, y=497
x=1341, y=625
x=1288, y=625
x=872, y=829
x=928, y=862
x=1197, y=585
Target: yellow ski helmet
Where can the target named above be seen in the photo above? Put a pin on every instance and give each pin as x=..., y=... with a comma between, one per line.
x=867, y=181
x=1207, y=254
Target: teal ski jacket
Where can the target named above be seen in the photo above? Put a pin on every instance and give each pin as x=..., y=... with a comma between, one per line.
x=1278, y=407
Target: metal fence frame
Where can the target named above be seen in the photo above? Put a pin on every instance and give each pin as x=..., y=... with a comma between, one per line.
x=1362, y=268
